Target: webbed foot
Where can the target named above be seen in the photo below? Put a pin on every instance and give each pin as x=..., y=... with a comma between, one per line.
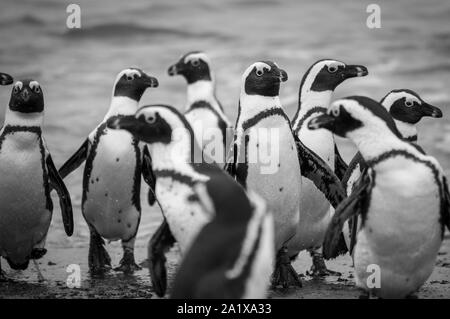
x=284, y=274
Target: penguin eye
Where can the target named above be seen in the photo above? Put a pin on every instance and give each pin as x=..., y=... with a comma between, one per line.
x=409, y=103
x=259, y=72
x=16, y=89
x=131, y=77
x=151, y=119
x=37, y=89
x=332, y=69
x=195, y=62
x=335, y=112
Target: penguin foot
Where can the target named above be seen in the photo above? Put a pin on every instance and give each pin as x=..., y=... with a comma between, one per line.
x=39, y=273
x=318, y=268
x=98, y=260
x=284, y=274
x=128, y=264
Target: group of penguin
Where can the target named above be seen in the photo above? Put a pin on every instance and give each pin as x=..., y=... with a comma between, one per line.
x=238, y=229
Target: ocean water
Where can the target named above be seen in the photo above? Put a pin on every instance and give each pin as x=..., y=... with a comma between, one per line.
x=77, y=68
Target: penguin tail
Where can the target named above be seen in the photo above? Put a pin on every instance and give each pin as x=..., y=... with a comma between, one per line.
x=38, y=253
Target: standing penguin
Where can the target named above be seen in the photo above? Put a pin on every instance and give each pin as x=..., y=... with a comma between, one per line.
x=191, y=192
x=402, y=198
x=268, y=158
x=5, y=79
x=28, y=175
x=316, y=89
x=407, y=108
x=115, y=161
x=203, y=110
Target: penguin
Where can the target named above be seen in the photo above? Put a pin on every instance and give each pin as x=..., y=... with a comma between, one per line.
x=267, y=157
x=203, y=110
x=6, y=79
x=316, y=89
x=28, y=176
x=238, y=243
x=115, y=161
x=194, y=193
x=407, y=108
x=402, y=198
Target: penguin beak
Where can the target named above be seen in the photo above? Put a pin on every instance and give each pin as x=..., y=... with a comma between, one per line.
x=25, y=95
x=283, y=75
x=150, y=81
x=322, y=121
x=6, y=79
x=430, y=110
x=128, y=123
x=175, y=69
x=353, y=71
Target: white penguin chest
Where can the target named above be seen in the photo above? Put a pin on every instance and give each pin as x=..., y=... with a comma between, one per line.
x=22, y=175
x=112, y=176
x=184, y=216
x=205, y=125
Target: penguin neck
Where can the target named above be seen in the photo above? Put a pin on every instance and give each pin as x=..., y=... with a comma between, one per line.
x=252, y=105
x=377, y=140
x=179, y=155
x=308, y=102
x=202, y=90
x=407, y=130
x=14, y=118
x=122, y=105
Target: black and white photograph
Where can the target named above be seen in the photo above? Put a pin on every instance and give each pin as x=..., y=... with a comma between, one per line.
x=236, y=149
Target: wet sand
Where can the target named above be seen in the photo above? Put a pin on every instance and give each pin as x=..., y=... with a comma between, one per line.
x=117, y=285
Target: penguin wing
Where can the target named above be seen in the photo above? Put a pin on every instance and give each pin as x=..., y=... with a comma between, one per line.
x=6, y=79
x=316, y=170
x=148, y=175
x=351, y=206
x=57, y=183
x=340, y=166
x=160, y=243
x=75, y=160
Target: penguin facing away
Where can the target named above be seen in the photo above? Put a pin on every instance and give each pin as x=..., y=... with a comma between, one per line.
x=28, y=176
x=203, y=110
x=115, y=161
x=403, y=237
x=316, y=89
x=260, y=115
x=407, y=108
x=179, y=168
x=238, y=244
x=5, y=79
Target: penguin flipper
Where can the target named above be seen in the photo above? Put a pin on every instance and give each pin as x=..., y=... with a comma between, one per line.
x=6, y=79
x=149, y=176
x=57, y=183
x=316, y=170
x=340, y=166
x=230, y=165
x=446, y=203
x=161, y=241
x=351, y=206
x=75, y=160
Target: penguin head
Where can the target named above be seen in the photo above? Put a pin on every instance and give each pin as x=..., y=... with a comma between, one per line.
x=263, y=78
x=132, y=83
x=5, y=79
x=355, y=115
x=27, y=97
x=408, y=107
x=327, y=74
x=152, y=124
x=193, y=66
